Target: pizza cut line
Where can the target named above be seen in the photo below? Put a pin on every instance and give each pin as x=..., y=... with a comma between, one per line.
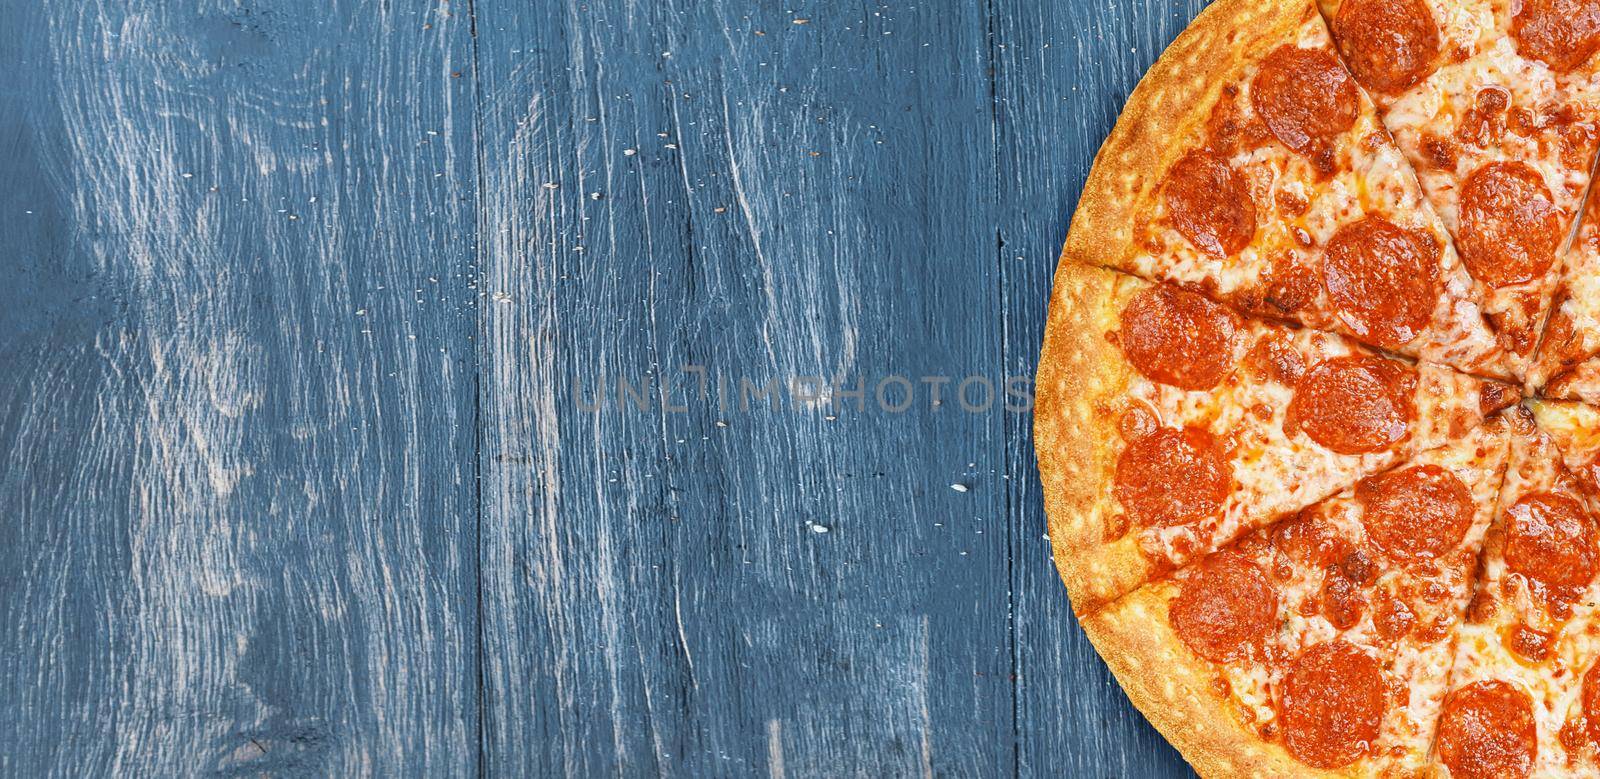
x=1314, y=416
x=1192, y=425
x=1567, y=364
x=1324, y=642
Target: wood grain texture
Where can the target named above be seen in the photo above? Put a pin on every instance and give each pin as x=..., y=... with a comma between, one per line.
x=1062, y=73
x=236, y=419
x=766, y=194
x=307, y=308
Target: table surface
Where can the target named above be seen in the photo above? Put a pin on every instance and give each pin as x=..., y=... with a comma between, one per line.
x=332, y=439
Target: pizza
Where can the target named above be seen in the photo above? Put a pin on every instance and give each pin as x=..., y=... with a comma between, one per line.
x=1495, y=105
x=1314, y=417
x=1193, y=424
x=1525, y=687
x=1566, y=366
x=1324, y=641
x=1250, y=165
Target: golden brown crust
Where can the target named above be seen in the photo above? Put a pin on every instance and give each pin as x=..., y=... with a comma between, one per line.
x=1096, y=575
x=1082, y=375
x=1180, y=692
x=1175, y=96
x=1075, y=435
x=1079, y=370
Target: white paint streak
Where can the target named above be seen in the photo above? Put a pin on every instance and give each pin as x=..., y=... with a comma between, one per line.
x=775, y=749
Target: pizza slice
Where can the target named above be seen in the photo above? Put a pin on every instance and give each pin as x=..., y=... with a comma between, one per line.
x=1524, y=697
x=1250, y=166
x=1206, y=424
x=1566, y=368
x=1496, y=104
x=1322, y=643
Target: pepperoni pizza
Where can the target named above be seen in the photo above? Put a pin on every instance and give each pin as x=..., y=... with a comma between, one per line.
x=1192, y=425
x=1325, y=641
x=1494, y=103
x=1304, y=487
x=1528, y=648
x=1568, y=361
x=1249, y=165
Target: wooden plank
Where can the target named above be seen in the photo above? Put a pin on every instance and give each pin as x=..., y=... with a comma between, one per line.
x=236, y=424
x=768, y=195
x=1062, y=71
x=236, y=409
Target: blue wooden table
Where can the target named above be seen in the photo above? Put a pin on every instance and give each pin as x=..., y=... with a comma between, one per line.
x=351, y=404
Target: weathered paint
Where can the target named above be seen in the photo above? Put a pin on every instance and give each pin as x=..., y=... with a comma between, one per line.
x=303, y=308
x=236, y=423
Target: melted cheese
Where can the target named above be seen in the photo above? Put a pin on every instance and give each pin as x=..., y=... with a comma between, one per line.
x=1251, y=411
x=1421, y=668
x=1539, y=462
x=1372, y=176
x=1439, y=106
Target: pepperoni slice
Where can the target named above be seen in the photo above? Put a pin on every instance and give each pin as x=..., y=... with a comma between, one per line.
x=1310, y=540
x=1355, y=404
x=1137, y=421
x=1591, y=701
x=1290, y=287
x=1487, y=732
x=1530, y=643
x=1179, y=338
x=1359, y=568
x=1332, y=705
x=1383, y=278
x=1210, y=204
x=1510, y=228
x=1560, y=33
x=1416, y=514
x=1304, y=96
x=1550, y=538
x=1173, y=477
x=1494, y=396
x=1342, y=599
x=1225, y=608
x=1274, y=358
x=1389, y=45
x=1392, y=617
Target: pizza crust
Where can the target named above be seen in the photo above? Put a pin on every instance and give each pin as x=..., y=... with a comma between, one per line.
x=1083, y=376
x=1080, y=373
x=1180, y=692
x=1175, y=95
